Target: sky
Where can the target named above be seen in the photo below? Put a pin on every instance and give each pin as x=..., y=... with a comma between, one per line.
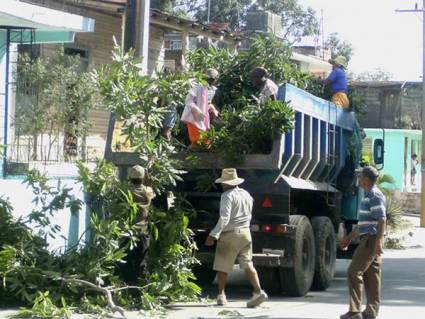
x=382, y=38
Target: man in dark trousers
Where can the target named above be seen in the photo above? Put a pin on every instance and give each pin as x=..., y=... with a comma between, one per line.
x=365, y=267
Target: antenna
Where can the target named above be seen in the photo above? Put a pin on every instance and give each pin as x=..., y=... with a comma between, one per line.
x=323, y=33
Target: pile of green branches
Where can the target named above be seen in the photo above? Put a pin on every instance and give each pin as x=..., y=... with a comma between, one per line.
x=244, y=125
x=234, y=88
x=91, y=276
x=251, y=130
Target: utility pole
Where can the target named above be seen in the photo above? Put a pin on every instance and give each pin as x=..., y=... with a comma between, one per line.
x=423, y=112
x=209, y=11
x=143, y=10
x=136, y=31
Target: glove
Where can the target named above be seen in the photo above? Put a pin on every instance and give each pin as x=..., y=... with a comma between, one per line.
x=198, y=115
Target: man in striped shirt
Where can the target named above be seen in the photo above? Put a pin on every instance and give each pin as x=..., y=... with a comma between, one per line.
x=365, y=267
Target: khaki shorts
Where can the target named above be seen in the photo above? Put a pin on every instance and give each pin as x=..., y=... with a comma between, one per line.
x=231, y=245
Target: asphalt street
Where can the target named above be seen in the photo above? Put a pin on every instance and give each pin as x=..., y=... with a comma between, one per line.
x=403, y=292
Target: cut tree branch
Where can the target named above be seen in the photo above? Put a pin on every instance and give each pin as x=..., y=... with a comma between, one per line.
x=104, y=290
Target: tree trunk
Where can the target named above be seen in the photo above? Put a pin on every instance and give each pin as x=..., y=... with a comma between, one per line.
x=35, y=147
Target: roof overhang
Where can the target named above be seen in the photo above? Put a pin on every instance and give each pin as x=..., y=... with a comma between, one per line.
x=315, y=65
x=31, y=23
x=173, y=23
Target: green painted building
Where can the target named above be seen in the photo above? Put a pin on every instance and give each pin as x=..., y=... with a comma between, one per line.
x=400, y=146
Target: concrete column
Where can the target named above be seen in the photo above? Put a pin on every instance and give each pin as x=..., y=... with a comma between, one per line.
x=185, y=47
x=143, y=12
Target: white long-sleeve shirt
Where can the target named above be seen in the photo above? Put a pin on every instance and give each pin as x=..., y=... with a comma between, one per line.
x=235, y=211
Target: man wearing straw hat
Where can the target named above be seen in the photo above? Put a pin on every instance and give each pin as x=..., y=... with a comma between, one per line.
x=234, y=237
x=338, y=82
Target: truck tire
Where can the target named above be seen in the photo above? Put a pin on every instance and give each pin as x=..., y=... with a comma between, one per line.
x=269, y=279
x=296, y=281
x=204, y=274
x=325, y=240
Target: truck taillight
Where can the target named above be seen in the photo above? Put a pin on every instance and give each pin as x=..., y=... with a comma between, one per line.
x=267, y=203
x=267, y=228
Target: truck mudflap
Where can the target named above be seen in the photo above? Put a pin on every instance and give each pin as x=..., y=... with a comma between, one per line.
x=269, y=258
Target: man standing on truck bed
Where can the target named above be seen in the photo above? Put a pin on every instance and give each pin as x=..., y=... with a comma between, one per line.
x=234, y=237
x=259, y=79
x=199, y=109
x=366, y=263
x=338, y=82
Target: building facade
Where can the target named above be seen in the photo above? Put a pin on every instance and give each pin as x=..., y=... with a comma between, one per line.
x=391, y=104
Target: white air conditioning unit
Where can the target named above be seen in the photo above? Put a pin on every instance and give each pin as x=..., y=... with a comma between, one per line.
x=264, y=21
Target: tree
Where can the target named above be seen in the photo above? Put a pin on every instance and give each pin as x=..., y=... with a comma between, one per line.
x=297, y=21
x=374, y=75
x=339, y=47
x=53, y=97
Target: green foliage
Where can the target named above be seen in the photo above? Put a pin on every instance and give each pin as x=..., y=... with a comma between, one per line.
x=44, y=308
x=28, y=267
x=234, y=88
x=247, y=127
x=139, y=102
x=171, y=255
x=252, y=130
x=54, y=96
x=297, y=21
x=394, y=211
x=339, y=47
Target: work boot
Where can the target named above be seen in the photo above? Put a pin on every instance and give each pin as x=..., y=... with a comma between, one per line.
x=221, y=300
x=257, y=299
x=351, y=315
x=367, y=316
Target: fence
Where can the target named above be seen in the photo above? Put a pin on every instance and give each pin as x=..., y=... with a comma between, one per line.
x=54, y=153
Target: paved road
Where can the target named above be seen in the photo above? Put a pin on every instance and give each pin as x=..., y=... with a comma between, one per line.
x=403, y=292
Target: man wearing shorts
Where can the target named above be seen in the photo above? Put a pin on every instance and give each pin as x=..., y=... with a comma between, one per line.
x=234, y=237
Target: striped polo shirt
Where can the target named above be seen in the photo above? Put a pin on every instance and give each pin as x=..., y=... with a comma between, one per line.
x=372, y=208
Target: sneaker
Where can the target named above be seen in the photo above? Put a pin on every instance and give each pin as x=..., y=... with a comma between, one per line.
x=352, y=315
x=221, y=300
x=257, y=299
x=366, y=316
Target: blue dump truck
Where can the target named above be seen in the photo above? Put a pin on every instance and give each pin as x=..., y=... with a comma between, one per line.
x=303, y=191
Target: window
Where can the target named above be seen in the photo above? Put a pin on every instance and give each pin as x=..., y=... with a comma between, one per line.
x=82, y=53
x=175, y=45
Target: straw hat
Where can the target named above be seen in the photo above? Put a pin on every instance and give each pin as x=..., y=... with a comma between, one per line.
x=229, y=176
x=339, y=60
x=212, y=74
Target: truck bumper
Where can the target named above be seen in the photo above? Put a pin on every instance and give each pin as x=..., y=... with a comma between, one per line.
x=268, y=259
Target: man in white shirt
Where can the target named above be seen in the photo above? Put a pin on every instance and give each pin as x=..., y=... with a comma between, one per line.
x=268, y=89
x=234, y=237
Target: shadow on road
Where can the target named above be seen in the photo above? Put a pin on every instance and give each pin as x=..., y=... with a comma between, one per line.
x=403, y=284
